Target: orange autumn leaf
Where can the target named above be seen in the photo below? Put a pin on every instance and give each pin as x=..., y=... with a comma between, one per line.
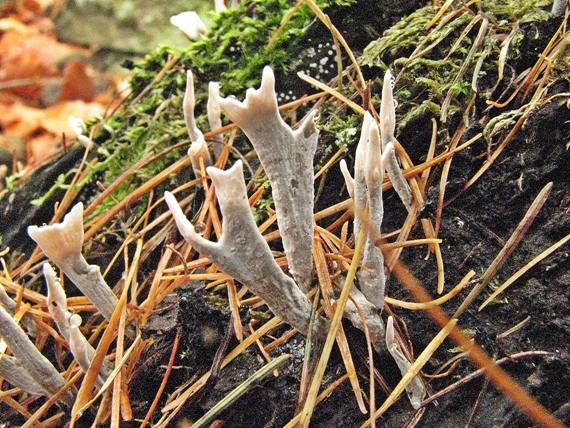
x=44, y=129
x=31, y=59
x=77, y=83
x=37, y=70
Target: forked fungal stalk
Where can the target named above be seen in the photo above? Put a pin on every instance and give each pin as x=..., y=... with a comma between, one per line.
x=62, y=244
x=30, y=359
x=198, y=150
x=243, y=253
x=287, y=158
x=415, y=388
x=375, y=153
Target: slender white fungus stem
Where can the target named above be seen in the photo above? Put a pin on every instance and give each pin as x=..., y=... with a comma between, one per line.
x=12, y=371
x=79, y=129
x=387, y=110
x=10, y=306
x=32, y=361
x=57, y=306
x=559, y=7
x=371, y=278
x=188, y=104
x=287, y=158
x=214, y=116
x=415, y=388
x=387, y=126
x=371, y=316
x=62, y=243
x=396, y=177
x=243, y=253
x=360, y=197
x=198, y=150
x=77, y=125
x=219, y=5
x=82, y=351
x=57, y=301
x=348, y=180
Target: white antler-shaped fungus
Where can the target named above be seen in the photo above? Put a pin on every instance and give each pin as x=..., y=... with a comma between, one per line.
x=198, y=150
x=57, y=301
x=287, y=158
x=367, y=189
x=214, y=112
x=415, y=388
x=30, y=359
x=10, y=306
x=387, y=126
x=375, y=153
x=12, y=371
x=243, y=253
x=79, y=129
x=371, y=278
x=67, y=325
x=82, y=350
x=62, y=243
x=190, y=24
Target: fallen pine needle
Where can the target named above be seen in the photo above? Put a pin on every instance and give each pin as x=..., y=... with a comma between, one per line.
x=239, y=391
x=524, y=269
x=415, y=306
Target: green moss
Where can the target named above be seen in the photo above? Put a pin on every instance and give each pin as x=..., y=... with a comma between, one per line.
x=437, y=65
x=234, y=53
x=151, y=120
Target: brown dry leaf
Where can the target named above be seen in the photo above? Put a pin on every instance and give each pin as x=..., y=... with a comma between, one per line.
x=31, y=58
x=77, y=83
x=41, y=148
